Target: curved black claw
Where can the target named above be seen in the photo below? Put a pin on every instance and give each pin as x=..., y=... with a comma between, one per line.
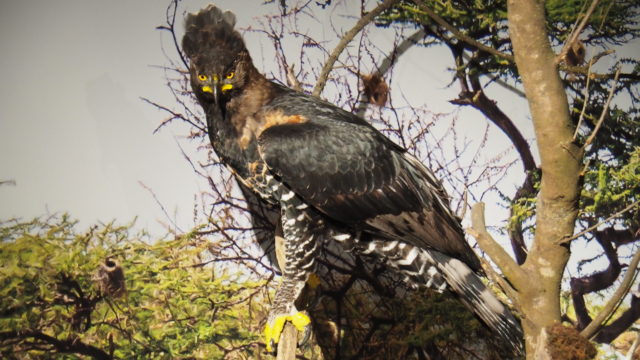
x=306, y=335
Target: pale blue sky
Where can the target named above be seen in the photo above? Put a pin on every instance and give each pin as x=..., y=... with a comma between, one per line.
x=76, y=137
x=74, y=134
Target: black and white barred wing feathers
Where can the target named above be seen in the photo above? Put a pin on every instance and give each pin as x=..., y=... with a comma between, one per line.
x=355, y=175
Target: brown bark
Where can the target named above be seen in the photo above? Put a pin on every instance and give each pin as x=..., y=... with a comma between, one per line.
x=560, y=165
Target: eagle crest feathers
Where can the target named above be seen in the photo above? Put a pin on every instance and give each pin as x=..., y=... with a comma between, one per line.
x=210, y=36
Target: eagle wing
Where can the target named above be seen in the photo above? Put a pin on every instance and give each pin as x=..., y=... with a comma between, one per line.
x=346, y=169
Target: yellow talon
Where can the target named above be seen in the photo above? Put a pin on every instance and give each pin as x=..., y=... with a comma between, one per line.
x=299, y=320
x=272, y=333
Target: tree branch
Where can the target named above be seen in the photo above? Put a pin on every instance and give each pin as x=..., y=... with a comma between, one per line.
x=610, y=332
x=171, y=12
x=346, y=38
x=391, y=59
x=505, y=263
x=604, y=111
x=560, y=163
x=595, y=282
x=69, y=346
x=615, y=300
x=289, y=337
x=288, y=343
x=576, y=32
x=458, y=34
x=488, y=108
x=591, y=228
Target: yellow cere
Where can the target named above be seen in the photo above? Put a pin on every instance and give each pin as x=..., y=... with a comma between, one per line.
x=207, y=88
x=226, y=87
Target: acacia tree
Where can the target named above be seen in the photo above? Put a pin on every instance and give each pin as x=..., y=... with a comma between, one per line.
x=587, y=179
x=587, y=172
x=109, y=292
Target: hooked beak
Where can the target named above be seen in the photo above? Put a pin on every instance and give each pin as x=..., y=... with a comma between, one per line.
x=213, y=89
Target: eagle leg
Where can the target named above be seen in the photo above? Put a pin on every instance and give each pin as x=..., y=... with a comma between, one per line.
x=297, y=260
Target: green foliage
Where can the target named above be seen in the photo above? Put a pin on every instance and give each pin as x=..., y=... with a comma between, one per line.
x=441, y=320
x=612, y=23
x=177, y=304
x=610, y=187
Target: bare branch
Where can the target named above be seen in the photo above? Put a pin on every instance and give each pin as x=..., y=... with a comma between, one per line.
x=613, y=329
x=615, y=300
x=576, y=32
x=288, y=343
x=10, y=182
x=591, y=228
x=172, y=10
x=584, y=103
x=348, y=36
x=505, y=263
x=391, y=59
x=604, y=111
x=292, y=80
x=490, y=109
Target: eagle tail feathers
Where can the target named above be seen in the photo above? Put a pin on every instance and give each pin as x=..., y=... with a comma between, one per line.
x=438, y=271
x=476, y=296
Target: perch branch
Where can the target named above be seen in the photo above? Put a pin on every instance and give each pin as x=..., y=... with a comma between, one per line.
x=288, y=343
x=348, y=36
x=289, y=336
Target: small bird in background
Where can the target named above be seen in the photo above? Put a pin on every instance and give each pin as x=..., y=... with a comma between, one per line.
x=375, y=89
x=333, y=177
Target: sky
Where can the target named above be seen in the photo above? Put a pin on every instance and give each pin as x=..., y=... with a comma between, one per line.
x=76, y=137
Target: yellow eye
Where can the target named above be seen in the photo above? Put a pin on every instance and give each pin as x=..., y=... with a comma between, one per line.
x=230, y=74
x=202, y=77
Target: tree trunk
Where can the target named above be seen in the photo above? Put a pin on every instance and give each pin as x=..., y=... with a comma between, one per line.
x=560, y=161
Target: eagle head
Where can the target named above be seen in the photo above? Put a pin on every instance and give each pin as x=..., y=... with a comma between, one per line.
x=218, y=57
